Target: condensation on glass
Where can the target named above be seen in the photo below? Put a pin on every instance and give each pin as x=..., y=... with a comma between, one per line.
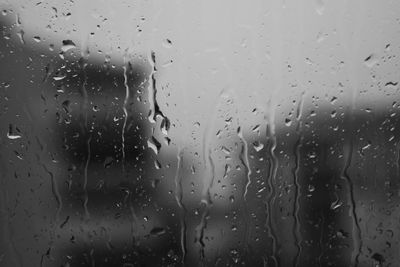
x=199, y=133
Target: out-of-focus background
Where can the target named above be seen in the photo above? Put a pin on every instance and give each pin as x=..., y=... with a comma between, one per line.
x=210, y=133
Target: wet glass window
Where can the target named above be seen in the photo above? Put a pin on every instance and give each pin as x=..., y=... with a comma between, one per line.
x=199, y=133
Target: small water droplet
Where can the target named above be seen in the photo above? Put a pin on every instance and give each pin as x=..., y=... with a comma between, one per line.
x=336, y=204
x=157, y=231
x=258, y=146
x=311, y=188
x=225, y=150
x=66, y=106
x=21, y=34
x=167, y=43
x=108, y=162
x=256, y=128
x=157, y=164
x=370, y=61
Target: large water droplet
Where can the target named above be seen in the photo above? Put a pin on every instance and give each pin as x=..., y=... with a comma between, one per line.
x=12, y=135
x=154, y=144
x=67, y=45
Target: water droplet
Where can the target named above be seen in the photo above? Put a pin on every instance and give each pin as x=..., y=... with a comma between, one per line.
x=342, y=234
x=336, y=204
x=12, y=135
x=258, y=146
x=370, y=61
x=256, y=128
x=167, y=43
x=288, y=122
x=391, y=85
x=378, y=258
x=66, y=106
x=225, y=150
x=157, y=164
x=157, y=231
x=320, y=7
x=67, y=45
x=311, y=188
x=59, y=78
x=108, y=162
x=154, y=183
x=154, y=145
x=21, y=34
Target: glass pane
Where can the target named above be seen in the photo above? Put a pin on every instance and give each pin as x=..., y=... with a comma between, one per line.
x=208, y=133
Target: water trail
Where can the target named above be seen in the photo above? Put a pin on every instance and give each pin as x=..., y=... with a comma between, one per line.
x=92, y=259
x=83, y=64
x=152, y=87
x=134, y=223
x=277, y=54
x=321, y=244
x=84, y=114
x=351, y=56
x=398, y=159
x=54, y=189
x=124, y=108
x=209, y=127
x=273, y=167
x=7, y=229
x=179, y=201
x=46, y=254
x=154, y=107
x=85, y=179
x=207, y=201
x=356, y=233
x=295, y=171
x=53, y=181
x=244, y=159
x=208, y=179
x=55, y=192
x=273, y=179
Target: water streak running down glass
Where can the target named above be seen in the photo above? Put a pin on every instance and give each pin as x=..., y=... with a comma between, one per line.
x=200, y=133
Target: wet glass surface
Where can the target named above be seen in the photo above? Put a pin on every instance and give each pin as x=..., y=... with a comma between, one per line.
x=211, y=133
